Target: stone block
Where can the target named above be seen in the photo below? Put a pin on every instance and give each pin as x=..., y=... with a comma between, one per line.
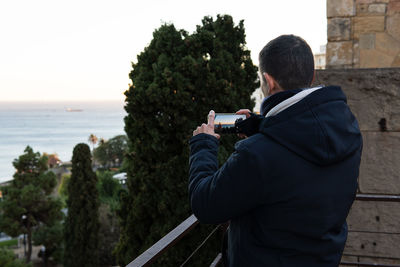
x=373, y=244
x=393, y=7
x=396, y=61
x=393, y=26
x=369, y=24
x=367, y=41
x=379, y=9
x=374, y=216
x=374, y=59
x=339, y=53
x=372, y=94
x=340, y=8
x=339, y=29
x=387, y=44
x=380, y=168
x=366, y=9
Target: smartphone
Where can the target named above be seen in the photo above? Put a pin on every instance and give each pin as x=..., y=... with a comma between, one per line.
x=226, y=121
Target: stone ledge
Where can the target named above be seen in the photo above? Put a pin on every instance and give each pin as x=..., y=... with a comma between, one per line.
x=372, y=245
x=379, y=260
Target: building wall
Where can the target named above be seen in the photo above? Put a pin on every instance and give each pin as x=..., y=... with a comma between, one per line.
x=373, y=95
x=363, y=33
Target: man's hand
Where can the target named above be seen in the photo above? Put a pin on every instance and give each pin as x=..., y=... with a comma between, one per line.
x=244, y=112
x=207, y=128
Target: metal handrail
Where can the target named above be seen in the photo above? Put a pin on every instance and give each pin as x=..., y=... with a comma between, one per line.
x=373, y=197
x=151, y=254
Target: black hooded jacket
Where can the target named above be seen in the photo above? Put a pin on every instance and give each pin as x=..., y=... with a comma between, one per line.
x=286, y=190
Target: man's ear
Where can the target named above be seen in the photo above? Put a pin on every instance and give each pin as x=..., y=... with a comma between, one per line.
x=313, y=78
x=270, y=81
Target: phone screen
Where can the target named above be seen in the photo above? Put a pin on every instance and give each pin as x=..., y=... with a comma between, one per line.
x=226, y=120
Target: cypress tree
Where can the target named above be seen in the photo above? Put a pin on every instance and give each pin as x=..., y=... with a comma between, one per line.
x=175, y=82
x=82, y=222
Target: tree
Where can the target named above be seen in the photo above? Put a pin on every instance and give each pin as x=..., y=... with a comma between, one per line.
x=7, y=259
x=27, y=205
x=175, y=82
x=92, y=139
x=82, y=222
x=111, y=153
x=51, y=237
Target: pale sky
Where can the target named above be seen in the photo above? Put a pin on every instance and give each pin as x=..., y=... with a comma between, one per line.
x=82, y=50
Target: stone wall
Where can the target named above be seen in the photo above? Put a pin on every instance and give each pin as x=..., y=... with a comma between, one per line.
x=374, y=97
x=363, y=34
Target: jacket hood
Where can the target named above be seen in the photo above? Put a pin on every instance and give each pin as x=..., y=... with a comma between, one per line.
x=320, y=128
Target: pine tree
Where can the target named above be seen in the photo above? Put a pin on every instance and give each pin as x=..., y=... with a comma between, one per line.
x=82, y=222
x=175, y=82
x=28, y=205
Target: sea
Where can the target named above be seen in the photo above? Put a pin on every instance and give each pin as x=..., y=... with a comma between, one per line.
x=54, y=127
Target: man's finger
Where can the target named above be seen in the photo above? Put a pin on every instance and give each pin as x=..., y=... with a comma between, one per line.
x=211, y=117
x=244, y=112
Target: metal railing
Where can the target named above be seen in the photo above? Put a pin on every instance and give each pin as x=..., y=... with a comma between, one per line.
x=155, y=251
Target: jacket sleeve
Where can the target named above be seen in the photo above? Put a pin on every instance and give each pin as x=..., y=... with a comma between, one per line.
x=218, y=195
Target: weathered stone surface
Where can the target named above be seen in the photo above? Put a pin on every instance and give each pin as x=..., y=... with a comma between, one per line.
x=367, y=9
x=368, y=24
x=370, y=58
x=393, y=7
x=371, y=93
x=396, y=61
x=356, y=54
x=374, y=217
x=346, y=258
x=367, y=41
x=339, y=53
x=372, y=1
x=373, y=244
x=377, y=9
x=387, y=44
x=393, y=26
x=362, y=9
x=339, y=29
x=379, y=260
x=340, y=8
x=380, y=168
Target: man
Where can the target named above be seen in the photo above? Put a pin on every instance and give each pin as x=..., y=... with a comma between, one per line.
x=288, y=188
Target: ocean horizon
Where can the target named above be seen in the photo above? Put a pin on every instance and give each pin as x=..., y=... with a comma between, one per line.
x=54, y=127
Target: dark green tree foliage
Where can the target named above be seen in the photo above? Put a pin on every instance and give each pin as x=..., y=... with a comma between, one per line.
x=82, y=222
x=28, y=205
x=109, y=189
x=51, y=236
x=175, y=82
x=111, y=153
x=8, y=259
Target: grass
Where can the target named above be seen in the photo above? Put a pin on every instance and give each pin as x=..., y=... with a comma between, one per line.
x=9, y=243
